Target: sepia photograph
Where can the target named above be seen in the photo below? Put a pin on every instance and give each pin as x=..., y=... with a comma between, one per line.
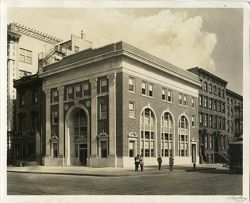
x=125, y=101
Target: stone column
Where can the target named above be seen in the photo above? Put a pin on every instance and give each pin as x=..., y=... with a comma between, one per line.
x=112, y=117
x=61, y=121
x=93, y=115
x=48, y=121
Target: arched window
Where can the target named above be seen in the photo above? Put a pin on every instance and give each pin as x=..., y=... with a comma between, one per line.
x=148, y=133
x=219, y=92
x=205, y=86
x=210, y=88
x=215, y=89
x=80, y=125
x=167, y=133
x=183, y=133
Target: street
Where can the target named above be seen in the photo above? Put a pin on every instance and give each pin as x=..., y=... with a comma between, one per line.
x=206, y=182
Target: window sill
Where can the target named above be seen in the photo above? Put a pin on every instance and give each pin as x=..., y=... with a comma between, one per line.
x=133, y=92
x=102, y=94
x=132, y=117
x=54, y=103
x=167, y=101
x=183, y=105
x=54, y=124
x=148, y=96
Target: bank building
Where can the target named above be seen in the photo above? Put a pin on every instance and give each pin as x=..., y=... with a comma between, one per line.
x=101, y=107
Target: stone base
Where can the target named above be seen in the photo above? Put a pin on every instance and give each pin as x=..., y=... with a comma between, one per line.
x=50, y=161
x=110, y=161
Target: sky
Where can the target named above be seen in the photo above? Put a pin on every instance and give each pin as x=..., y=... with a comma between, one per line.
x=211, y=38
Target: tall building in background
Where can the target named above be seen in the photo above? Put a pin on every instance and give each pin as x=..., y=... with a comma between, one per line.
x=27, y=50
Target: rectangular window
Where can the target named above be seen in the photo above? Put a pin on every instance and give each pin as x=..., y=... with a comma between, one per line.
x=103, y=85
x=25, y=56
x=86, y=89
x=193, y=121
x=143, y=88
x=180, y=99
x=131, y=148
x=104, y=151
x=131, y=84
x=131, y=110
x=210, y=142
x=103, y=111
x=205, y=102
x=200, y=100
x=150, y=90
x=210, y=121
x=163, y=94
x=205, y=120
x=210, y=103
x=54, y=117
x=185, y=100
x=201, y=119
x=193, y=102
x=77, y=91
x=170, y=95
x=55, y=96
x=70, y=94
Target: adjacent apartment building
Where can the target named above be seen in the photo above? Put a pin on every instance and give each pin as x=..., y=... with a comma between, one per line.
x=106, y=105
x=212, y=116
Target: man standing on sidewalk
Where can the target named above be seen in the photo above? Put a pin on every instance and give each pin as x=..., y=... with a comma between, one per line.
x=171, y=163
x=137, y=162
x=159, y=160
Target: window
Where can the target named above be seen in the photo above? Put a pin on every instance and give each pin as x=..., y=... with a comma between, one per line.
x=193, y=121
x=223, y=93
x=210, y=142
x=167, y=95
x=25, y=56
x=55, y=96
x=215, y=122
x=219, y=92
x=54, y=117
x=170, y=96
x=103, y=111
x=80, y=125
x=215, y=105
x=185, y=100
x=150, y=90
x=70, y=94
x=193, y=102
x=143, y=86
x=77, y=90
x=201, y=119
x=104, y=149
x=131, y=84
x=76, y=49
x=148, y=128
x=86, y=89
x=219, y=106
x=205, y=120
x=167, y=134
x=180, y=99
x=210, y=88
x=183, y=132
x=35, y=96
x=200, y=100
x=210, y=103
x=131, y=148
x=205, y=86
x=215, y=89
x=206, y=141
x=131, y=110
x=103, y=85
x=210, y=121
x=205, y=102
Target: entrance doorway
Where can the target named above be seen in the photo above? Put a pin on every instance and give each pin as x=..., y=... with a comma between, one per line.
x=193, y=153
x=77, y=136
x=83, y=153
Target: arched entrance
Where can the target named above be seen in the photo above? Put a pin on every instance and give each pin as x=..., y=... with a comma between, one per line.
x=77, y=136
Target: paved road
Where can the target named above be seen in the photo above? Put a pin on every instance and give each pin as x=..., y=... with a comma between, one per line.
x=210, y=182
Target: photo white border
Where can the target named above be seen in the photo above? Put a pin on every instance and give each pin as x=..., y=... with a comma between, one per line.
x=123, y=4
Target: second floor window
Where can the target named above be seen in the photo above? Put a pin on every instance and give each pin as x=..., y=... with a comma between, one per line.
x=103, y=85
x=180, y=99
x=131, y=110
x=131, y=84
x=77, y=91
x=54, y=96
x=185, y=100
x=22, y=97
x=193, y=121
x=193, y=102
x=70, y=94
x=150, y=90
x=143, y=88
x=86, y=89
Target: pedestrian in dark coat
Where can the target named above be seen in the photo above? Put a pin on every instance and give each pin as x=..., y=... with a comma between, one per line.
x=171, y=163
x=141, y=163
x=159, y=160
x=137, y=162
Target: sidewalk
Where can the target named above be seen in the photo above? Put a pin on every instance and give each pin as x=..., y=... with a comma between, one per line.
x=108, y=172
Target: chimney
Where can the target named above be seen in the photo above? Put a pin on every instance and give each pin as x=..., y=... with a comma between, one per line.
x=82, y=35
